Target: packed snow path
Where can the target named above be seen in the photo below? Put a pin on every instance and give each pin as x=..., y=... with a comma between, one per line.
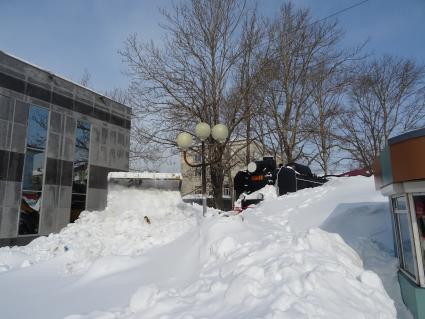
x=287, y=258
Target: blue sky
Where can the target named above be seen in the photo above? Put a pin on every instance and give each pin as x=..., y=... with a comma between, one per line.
x=67, y=37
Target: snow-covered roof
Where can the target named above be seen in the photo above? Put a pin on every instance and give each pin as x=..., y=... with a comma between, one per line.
x=149, y=175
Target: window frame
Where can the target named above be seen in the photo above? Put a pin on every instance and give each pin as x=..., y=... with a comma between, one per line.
x=44, y=171
x=226, y=193
x=88, y=166
x=416, y=277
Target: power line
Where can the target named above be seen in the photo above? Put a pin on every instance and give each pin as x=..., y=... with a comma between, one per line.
x=342, y=10
x=333, y=14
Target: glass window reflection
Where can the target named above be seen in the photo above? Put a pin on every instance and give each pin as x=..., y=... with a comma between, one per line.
x=30, y=213
x=80, y=177
x=33, y=171
x=78, y=204
x=37, y=127
x=406, y=244
x=80, y=169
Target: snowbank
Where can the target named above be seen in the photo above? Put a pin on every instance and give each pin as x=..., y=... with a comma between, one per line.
x=121, y=229
x=273, y=261
x=244, y=273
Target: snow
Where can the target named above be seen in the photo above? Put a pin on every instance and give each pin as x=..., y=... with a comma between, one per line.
x=268, y=192
x=120, y=230
x=319, y=253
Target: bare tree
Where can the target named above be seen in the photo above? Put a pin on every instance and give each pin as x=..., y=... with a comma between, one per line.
x=386, y=97
x=119, y=95
x=85, y=78
x=330, y=78
x=296, y=45
x=250, y=77
x=192, y=77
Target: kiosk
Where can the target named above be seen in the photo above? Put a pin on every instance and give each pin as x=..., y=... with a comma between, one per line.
x=400, y=175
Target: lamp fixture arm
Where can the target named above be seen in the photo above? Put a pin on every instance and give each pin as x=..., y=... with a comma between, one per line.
x=200, y=164
x=187, y=162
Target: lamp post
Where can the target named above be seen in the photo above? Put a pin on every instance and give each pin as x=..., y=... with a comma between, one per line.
x=184, y=140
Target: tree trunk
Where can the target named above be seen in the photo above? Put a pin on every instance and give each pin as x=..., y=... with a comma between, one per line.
x=217, y=178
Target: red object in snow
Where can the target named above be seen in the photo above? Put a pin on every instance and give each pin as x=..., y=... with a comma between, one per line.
x=357, y=172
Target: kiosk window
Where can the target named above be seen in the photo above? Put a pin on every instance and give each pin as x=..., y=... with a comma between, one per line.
x=403, y=230
x=419, y=204
x=406, y=244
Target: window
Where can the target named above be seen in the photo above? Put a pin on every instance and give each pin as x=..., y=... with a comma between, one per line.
x=32, y=188
x=80, y=169
x=404, y=236
x=226, y=191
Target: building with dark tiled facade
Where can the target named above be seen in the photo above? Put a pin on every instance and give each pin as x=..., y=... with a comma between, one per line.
x=58, y=141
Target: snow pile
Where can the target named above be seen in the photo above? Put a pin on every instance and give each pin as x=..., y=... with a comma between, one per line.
x=244, y=273
x=268, y=192
x=367, y=229
x=285, y=258
x=121, y=229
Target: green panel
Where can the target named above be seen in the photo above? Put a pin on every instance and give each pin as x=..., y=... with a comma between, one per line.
x=385, y=159
x=413, y=296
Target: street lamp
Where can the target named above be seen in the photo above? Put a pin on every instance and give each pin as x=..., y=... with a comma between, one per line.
x=184, y=140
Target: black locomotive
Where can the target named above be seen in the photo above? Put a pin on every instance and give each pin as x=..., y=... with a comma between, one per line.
x=287, y=179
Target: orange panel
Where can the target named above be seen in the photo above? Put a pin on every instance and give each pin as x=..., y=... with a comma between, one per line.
x=408, y=159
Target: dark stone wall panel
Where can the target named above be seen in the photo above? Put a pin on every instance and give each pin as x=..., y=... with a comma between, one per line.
x=55, y=122
x=53, y=169
x=9, y=222
x=16, y=165
x=117, y=120
x=66, y=173
x=102, y=115
x=127, y=124
x=6, y=134
x=16, y=241
x=99, y=176
x=38, y=92
x=12, y=83
x=18, y=138
x=4, y=164
x=21, y=112
x=83, y=108
x=6, y=109
x=62, y=101
x=58, y=172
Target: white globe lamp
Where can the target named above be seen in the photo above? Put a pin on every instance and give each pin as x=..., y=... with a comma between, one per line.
x=202, y=130
x=184, y=140
x=220, y=132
